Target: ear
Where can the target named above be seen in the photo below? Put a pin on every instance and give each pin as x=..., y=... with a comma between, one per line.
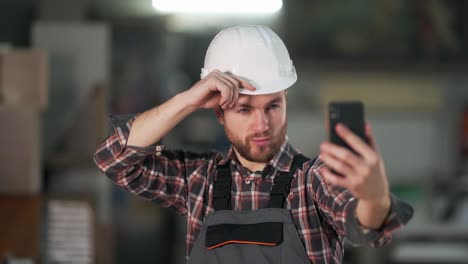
x=219, y=114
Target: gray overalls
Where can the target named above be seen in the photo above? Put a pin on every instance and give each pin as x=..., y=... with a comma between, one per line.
x=263, y=236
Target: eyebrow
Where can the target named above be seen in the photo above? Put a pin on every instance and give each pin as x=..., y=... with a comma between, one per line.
x=246, y=105
x=274, y=101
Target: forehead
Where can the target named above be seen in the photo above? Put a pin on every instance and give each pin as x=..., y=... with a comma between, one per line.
x=258, y=100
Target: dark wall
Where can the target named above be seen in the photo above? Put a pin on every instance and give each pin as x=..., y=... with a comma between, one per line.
x=16, y=18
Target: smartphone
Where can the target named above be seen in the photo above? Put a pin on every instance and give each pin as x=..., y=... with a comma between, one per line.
x=350, y=114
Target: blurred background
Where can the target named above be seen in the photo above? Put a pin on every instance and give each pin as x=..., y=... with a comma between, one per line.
x=65, y=65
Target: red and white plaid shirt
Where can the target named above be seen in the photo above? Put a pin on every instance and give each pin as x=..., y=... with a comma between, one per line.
x=183, y=181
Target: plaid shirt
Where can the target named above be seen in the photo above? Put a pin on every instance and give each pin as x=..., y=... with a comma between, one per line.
x=181, y=180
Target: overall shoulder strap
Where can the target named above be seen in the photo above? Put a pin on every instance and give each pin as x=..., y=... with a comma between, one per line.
x=282, y=182
x=222, y=188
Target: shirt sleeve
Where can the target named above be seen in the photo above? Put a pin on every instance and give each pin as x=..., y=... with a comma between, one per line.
x=150, y=172
x=338, y=207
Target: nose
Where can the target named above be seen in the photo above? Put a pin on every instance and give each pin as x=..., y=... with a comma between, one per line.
x=261, y=122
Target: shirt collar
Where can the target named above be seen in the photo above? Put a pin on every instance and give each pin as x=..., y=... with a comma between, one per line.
x=281, y=161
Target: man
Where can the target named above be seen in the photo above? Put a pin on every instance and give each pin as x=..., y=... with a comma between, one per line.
x=264, y=202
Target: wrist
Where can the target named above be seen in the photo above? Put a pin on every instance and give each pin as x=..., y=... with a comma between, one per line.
x=373, y=213
x=383, y=202
x=184, y=99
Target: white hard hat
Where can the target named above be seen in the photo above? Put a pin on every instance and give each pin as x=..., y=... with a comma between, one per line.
x=254, y=53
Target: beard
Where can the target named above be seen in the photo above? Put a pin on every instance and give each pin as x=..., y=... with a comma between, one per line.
x=265, y=153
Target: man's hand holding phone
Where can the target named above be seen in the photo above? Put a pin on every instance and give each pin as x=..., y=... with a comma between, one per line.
x=361, y=171
x=351, y=155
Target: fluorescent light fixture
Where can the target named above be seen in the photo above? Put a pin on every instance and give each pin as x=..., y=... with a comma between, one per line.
x=218, y=6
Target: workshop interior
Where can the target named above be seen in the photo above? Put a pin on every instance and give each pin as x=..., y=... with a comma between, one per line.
x=67, y=65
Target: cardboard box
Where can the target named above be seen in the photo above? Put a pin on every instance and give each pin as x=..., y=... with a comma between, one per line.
x=20, y=226
x=20, y=156
x=24, y=78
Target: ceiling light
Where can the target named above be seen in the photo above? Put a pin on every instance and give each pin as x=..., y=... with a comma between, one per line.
x=218, y=6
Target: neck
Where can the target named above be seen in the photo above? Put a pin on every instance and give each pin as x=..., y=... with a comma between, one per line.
x=250, y=165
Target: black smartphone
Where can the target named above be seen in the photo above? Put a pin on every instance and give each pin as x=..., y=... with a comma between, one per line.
x=349, y=113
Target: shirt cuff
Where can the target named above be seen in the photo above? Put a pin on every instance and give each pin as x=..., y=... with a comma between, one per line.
x=399, y=215
x=122, y=125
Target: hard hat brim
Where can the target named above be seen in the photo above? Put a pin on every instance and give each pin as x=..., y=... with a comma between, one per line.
x=269, y=87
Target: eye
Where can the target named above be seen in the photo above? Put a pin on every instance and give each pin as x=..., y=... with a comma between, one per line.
x=243, y=110
x=274, y=107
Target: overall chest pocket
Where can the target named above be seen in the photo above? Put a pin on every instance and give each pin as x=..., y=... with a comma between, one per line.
x=265, y=234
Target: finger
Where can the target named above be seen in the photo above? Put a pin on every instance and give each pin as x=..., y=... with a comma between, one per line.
x=233, y=89
x=333, y=178
x=341, y=153
x=355, y=141
x=233, y=80
x=337, y=165
x=227, y=78
x=229, y=99
x=228, y=88
x=370, y=136
x=244, y=83
x=230, y=94
x=234, y=100
x=236, y=88
x=224, y=90
x=357, y=164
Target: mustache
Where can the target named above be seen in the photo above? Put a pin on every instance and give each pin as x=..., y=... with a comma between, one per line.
x=260, y=135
